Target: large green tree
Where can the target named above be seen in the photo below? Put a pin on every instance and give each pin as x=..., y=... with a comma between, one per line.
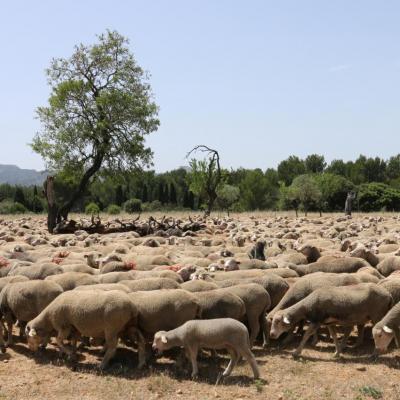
x=100, y=109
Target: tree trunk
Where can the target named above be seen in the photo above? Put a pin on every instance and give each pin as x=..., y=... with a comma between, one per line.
x=83, y=184
x=48, y=191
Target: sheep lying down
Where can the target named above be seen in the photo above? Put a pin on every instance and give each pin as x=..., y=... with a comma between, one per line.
x=335, y=306
x=219, y=333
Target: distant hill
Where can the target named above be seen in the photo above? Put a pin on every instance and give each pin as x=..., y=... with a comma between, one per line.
x=17, y=176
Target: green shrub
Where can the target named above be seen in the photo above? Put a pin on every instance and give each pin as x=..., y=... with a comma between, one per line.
x=133, y=205
x=92, y=208
x=113, y=209
x=10, y=207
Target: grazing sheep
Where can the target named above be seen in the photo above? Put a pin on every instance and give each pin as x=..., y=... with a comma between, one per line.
x=105, y=287
x=223, y=333
x=162, y=310
x=257, y=301
x=345, y=305
x=94, y=313
x=337, y=265
x=219, y=303
x=386, y=329
x=37, y=271
x=23, y=301
x=389, y=265
x=146, y=284
x=198, y=285
x=70, y=280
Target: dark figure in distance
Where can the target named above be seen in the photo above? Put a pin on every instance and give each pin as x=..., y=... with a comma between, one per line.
x=257, y=252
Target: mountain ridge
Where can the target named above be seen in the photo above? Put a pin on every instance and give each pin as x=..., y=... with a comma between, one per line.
x=14, y=175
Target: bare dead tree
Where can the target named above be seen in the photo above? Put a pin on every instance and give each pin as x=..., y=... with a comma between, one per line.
x=213, y=174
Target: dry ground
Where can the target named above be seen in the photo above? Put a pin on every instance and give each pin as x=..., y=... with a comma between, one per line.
x=316, y=375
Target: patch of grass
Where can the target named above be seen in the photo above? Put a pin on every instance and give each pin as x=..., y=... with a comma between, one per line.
x=370, y=391
x=259, y=384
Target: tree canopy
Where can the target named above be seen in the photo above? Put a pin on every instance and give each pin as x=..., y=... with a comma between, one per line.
x=99, y=111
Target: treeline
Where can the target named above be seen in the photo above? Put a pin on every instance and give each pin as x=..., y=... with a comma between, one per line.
x=308, y=184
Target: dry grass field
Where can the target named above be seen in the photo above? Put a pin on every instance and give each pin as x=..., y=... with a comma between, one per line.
x=315, y=375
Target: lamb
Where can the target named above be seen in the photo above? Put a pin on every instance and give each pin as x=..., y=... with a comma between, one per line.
x=146, y=284
x=97, y=314
x=387, y=328
x=23, y=301
x=345, y=305
x=223, y=333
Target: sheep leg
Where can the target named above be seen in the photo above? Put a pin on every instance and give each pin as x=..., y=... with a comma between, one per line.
x=266, y=327
x=60, y=342
x=193, y=359
x=254, y=327
x=232, y=363
x=310, y=331
x=111, y=343
x=343, y=342
x=10, y=323
x=142, y=354
x=248, y=355
x=333, y=334
x=360, y=335
x=397, y=337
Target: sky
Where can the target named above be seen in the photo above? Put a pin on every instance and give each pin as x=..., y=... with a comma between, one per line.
x=257, y=80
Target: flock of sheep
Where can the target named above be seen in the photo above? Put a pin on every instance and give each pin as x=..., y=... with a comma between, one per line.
x=233, y=284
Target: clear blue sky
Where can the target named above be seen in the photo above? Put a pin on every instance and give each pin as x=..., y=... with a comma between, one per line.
x=258, y=80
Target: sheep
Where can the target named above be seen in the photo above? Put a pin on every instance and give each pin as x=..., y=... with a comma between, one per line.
x=223, y=333
x=345, y=305
x=104, y=287
x=37, y=271
x=93, y=313
x=162, y=310
x=11, y=279
x=70, y=280
x=311, y=252
x=198, y=286
x=23, y=301
x=337, y=265
x=79, y=268
x=389, y=265
x=257, y=301
x=392, y=285
x=219, y=303
x=146, y=284
x=387, y=328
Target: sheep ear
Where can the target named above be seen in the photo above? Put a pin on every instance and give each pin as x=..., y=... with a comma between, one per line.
x=32, y=332
x=164, y=339
x=387, y=329
x=286, y=320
